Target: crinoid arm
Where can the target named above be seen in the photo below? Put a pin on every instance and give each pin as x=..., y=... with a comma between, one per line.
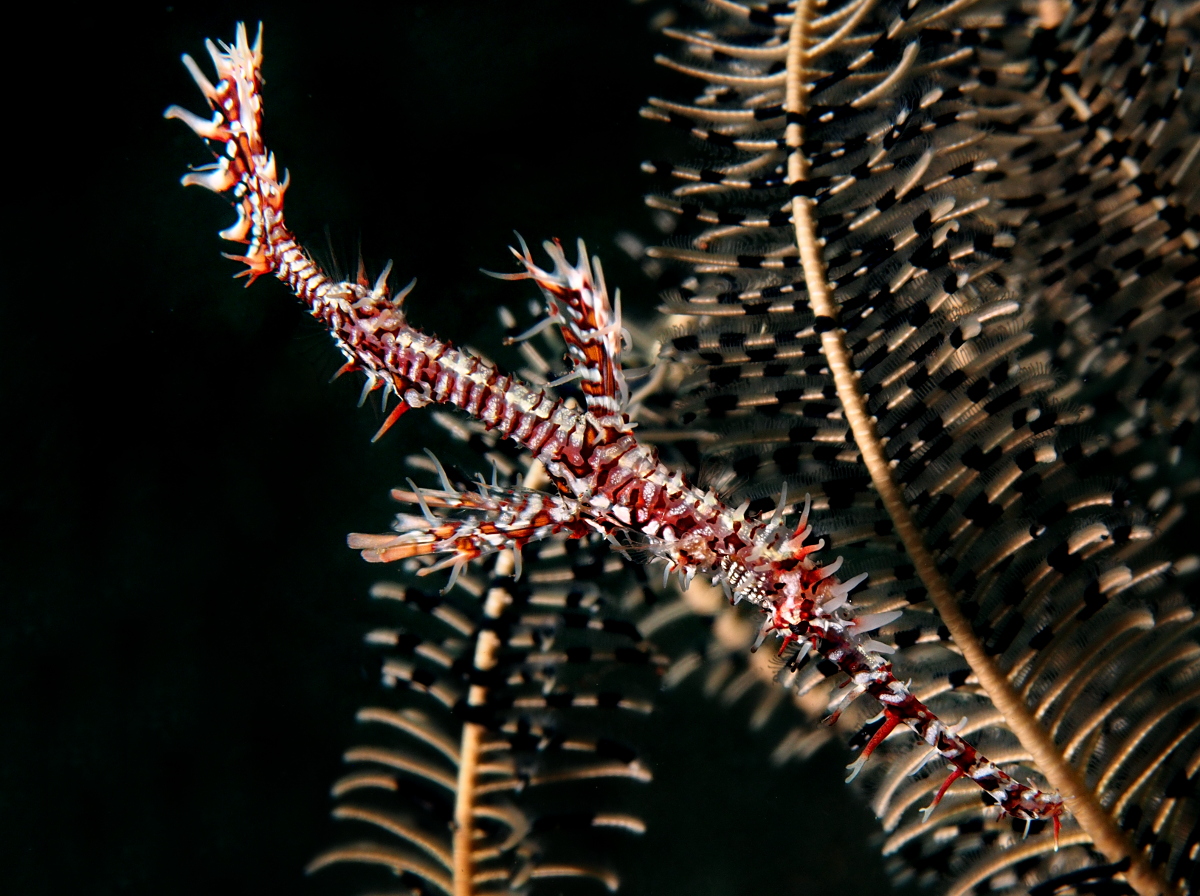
x=935, y=281
x=490, y=713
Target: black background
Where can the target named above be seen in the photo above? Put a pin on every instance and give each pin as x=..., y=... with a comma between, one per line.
x=180, y=621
